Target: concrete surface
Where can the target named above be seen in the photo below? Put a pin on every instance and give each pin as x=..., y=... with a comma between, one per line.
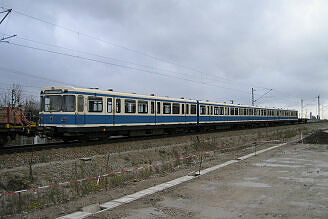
x=288, y=182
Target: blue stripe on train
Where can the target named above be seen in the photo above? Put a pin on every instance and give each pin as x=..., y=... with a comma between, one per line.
x=66, y=119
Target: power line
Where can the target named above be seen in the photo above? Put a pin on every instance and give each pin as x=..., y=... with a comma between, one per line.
x=115, y=59
x=105, y=41
x=33, y=75
x=119, y=65
x=117, y=45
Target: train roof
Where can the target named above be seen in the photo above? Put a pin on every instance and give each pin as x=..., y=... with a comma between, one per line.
x=110, y=92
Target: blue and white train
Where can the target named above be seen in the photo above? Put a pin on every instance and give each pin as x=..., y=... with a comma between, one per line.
x=68, y=113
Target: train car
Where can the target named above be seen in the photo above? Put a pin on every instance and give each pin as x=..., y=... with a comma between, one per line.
x=69, y=113
x=14, y=122
x=213, y=113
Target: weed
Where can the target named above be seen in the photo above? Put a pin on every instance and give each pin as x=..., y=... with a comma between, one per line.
x=34, y=205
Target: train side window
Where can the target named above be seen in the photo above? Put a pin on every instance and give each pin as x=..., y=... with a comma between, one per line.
x=118, y=105
x=158, y=107
x=109, y=105
x=130, y=106
x=152, y=107
x=142, y=106
x=187, y=109
x=95, y=104
x=236, y=111
x=183, y=109
x=193, y=109
x=226, y=111
x=176, y=108
x=80, y=103
x=216, y=110
x=208, y=110
x=202, y=110
x=166, y=108
x=232, y=111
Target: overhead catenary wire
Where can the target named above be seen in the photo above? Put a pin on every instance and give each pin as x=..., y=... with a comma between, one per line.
x=120, y=65
x=79, y=33
x=5, y=69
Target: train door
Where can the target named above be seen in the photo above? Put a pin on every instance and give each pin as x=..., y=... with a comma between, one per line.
x=153, y=112
x=110, y=110
x=80, y=113
x=197, y=112
x=183, y=112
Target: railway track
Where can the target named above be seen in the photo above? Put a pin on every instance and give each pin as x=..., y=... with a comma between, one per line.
x=9, y=149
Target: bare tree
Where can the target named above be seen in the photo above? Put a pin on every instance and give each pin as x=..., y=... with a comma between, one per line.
x=31, y=108
x=13, y=96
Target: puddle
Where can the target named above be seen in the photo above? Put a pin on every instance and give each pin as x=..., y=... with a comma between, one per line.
x=210, y=187
x=145, y=213
x=300, y=180
x=214, y=212
x=252, y=184
x=250, y=178
x=275, y=165
x=282, y=171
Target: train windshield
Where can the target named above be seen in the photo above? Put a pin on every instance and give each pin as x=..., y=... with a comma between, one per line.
x=68, y=103
x=52, y=103
x=56, y=103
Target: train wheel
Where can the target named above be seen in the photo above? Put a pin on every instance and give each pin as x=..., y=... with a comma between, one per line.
x=3, y=140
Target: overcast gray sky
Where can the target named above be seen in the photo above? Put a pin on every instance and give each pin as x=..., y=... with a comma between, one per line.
x=209, y=50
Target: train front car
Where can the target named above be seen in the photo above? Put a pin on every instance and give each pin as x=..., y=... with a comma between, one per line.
x=61, y=112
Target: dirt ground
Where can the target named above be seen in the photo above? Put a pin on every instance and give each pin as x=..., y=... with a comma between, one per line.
x=289, y=182
x=157, y=205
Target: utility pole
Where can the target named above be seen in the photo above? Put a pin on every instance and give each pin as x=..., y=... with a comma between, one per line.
x=12, y=98
x=301, y=108
x=318, y=107
x=7, y=13
x=253, y=96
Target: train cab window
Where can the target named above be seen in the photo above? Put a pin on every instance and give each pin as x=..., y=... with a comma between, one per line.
x=187, y=109
x=193, y=109
x=216, y=110
x=158, y=107
x=166, y=108
x=118, y=105
x=183, y=109
x=68, y=103
x=152, y=107
x=80, y=103
x=109, y=105
x=41, y=104
x=52, y=103
x=130, y=106
x=176, y=108
x=202, y=110
x=142, y=106
x=95, y=104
